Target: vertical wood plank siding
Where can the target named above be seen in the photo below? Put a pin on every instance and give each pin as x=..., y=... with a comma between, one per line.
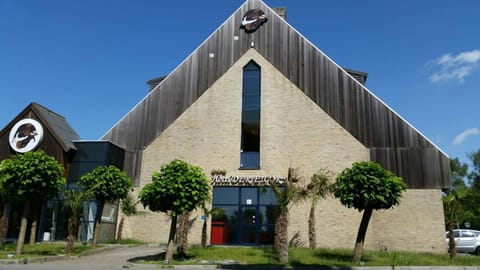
x=393, y=142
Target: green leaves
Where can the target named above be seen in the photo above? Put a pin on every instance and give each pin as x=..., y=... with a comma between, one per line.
x=33, y=175
x=177, y=187
x=107, y=183
x=368, y=185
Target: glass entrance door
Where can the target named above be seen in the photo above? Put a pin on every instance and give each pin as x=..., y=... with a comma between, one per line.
x=248, y=226
x=243, y=216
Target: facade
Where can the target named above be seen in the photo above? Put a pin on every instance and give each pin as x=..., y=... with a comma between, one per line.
x=257, y=98
x=37, y=127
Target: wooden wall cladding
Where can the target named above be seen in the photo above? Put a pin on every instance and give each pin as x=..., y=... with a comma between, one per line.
x=394, y=143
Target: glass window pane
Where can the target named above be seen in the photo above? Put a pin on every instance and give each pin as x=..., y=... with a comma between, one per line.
x=225, y=195
x=250, y=160
x=267, y=196
x=248, y=234
x=249, y=196
x=249, y=215
x=266, y=235
x=267, y=214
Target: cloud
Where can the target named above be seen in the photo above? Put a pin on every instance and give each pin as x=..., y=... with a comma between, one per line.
x=454, y=67
x=462, y=137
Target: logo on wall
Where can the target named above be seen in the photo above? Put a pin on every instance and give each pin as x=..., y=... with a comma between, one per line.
x=253, y=19
x=25, y=135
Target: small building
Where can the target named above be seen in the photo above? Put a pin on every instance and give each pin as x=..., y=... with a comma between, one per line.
x=257, y=97
x=37, y=127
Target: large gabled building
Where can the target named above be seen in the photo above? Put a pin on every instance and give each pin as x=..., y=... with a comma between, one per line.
x=256, y=101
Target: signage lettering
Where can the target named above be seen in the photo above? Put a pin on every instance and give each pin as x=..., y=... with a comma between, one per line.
x=235, y=180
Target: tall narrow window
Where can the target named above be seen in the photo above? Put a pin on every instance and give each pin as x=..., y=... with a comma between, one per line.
x=250, y=148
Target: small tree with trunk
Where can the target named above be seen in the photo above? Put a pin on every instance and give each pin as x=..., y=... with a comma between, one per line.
x=320, y=187
x=107, y=184
x=177, y=188
x=73, y=203
x=367, y=186
x=286, y=194
x=31, y=178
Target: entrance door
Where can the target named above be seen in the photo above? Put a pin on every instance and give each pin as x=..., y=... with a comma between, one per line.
x=243, y=216
x=248, y=226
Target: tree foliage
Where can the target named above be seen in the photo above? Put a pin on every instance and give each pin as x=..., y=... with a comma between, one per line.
x=460, y=202
x=30, y=178
x=367, y=186
x=461, y=206
x=107, y=184
x=177, y=188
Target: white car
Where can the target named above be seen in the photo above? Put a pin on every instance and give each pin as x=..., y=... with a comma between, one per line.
x=467, y=241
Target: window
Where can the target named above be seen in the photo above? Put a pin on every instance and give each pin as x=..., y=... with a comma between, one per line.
x=250, y=140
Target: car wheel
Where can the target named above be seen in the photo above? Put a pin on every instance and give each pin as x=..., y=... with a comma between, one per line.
x=477, y=251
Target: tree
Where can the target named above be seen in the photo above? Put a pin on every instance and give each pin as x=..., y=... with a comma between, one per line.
x=32, y=178
x=184, y=226
x=287, y=194
x=453, y=203
x=107, y=184
x=367, y=186
x=466, y=209
x=320, y=187
x=177, y=188
x=73, y=203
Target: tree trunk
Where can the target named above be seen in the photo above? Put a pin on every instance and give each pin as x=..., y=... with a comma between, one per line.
x=33, y=226
x=98, y=222
x=451, y=239
x=72, y=233
x=23, y=228
x=120, y=229
x=312, y=234
x=204, y=233
x=183, y=233
x=281, y=237
x=4, y=223
x=171, y=238
x=362, y=231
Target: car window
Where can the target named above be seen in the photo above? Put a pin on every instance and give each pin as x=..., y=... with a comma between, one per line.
x=456, y=234
x=468, y=234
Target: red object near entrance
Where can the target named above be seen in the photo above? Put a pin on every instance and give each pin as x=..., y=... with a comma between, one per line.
x=219, y=233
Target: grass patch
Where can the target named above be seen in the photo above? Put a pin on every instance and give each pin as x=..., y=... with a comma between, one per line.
x=317, y=257
x=40, y=250
x=127, y=242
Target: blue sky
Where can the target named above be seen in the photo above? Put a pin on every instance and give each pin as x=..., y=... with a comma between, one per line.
x=89, y=60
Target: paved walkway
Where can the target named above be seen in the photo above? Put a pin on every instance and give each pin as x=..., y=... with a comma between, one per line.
x=116, y=257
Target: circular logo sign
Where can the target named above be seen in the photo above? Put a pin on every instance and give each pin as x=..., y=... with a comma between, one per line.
x=25, y=135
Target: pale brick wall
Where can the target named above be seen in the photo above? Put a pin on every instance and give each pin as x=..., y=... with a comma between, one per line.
x=294, y=132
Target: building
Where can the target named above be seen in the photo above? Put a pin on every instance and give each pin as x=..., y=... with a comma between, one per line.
x=37, y=127
x=257, y=97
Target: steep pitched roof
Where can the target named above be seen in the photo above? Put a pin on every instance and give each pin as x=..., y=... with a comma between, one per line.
x=57, y=125
x=392, y=141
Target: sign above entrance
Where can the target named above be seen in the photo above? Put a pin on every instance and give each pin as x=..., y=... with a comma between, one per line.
x=220, y=180
x=25, y=135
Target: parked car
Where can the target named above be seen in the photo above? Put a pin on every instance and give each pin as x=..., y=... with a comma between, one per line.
x=467, y=241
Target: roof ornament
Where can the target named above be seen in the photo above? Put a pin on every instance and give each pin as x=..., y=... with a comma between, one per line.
x=252, y=19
